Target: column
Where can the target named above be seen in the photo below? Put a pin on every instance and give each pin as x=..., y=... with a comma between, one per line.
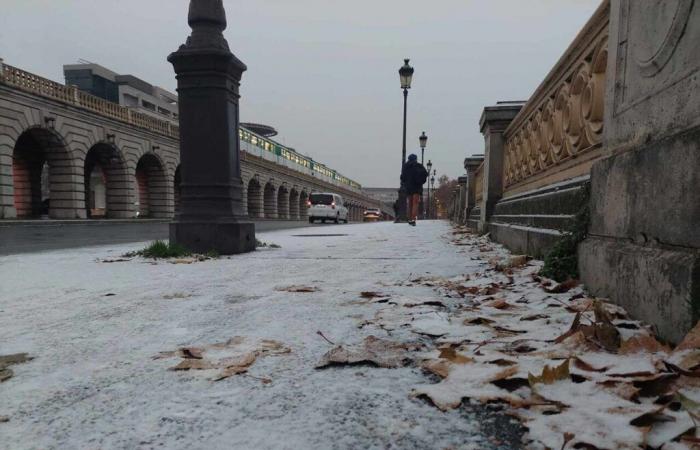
x=493, y=123
x=212, y=216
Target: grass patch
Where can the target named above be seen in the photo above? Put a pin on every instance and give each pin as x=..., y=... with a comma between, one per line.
x=561, y=263
x=161, y=249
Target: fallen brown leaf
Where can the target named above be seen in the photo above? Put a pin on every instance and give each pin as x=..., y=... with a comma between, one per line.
x=371, y=295
x=4, y=419
x=551, y=375
x=691, y=340
x=298, y=289
x=478, y=321
x=451, y=355
x=583, y=365
x=193, y=364
x=191, y=353
x=5, y=374
x=560, y=288
x=17, y=358
x=499, y=303
x=372, y=350
x=439, y=367
x=228, y=372
x=642, y=344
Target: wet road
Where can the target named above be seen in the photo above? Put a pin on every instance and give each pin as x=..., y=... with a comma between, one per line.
x=28, y=237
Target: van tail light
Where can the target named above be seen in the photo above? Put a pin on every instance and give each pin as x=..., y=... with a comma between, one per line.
x=308, y=203
x=333, y=205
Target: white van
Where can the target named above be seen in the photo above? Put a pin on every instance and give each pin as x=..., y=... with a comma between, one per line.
x=327, y=206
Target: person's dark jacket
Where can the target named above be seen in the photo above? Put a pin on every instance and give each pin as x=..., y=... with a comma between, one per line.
x=413, y=177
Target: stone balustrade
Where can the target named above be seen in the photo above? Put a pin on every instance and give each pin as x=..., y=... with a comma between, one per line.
x=35, y=84
x=558, y=133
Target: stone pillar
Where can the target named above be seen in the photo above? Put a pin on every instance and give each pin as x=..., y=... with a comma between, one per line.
x=211, y=215
x=493, y=123
x=643, y=248
x=462, y=206
x=283, y=203
x=470, y=165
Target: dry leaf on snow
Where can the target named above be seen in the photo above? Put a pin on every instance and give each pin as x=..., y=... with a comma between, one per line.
x=193, y=364
x=372, y=350
x=298, y=289
x=8, y=360
x=551, y=375
x=691, y=340
x=642, y=344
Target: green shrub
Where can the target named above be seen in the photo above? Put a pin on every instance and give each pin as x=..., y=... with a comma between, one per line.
x=161, y=249
x=561, y=263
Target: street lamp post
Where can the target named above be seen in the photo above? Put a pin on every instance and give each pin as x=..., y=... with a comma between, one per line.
x=406, y=75
x=432, y=187
x=426, y=211
x=423, y=140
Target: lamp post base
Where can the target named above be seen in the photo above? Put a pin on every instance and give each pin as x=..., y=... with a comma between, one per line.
x=224, y=237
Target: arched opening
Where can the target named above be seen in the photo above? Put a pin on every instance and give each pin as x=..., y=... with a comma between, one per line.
x=270, y=201
x=151, y=188
x=283, y=203
x=41, y=170
x=294, y=204
x=177, y=181
x=255, y=200
x=303, y=205
x=106, y=183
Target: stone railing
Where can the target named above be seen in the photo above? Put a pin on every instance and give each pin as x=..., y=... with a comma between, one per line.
x=71, y=95
x=557, y=134
x=479, y=184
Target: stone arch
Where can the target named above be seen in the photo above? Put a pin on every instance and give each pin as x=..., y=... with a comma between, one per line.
x=256, y=205
x=106, y=182
x=303, y=204
x=151, y=187
x=177, y=188
x=294, y=204
x=283, y=202
x=45, y=177
x=270, y=200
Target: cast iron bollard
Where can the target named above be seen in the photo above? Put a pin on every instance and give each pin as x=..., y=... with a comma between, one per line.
x=211, y=216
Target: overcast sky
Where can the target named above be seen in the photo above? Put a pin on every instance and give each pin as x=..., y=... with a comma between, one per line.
x=325, y=72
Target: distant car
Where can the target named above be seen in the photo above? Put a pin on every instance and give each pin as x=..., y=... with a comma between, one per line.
x=372, y=215
x=327, y=206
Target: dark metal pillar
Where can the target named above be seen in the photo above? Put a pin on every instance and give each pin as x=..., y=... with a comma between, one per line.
x=402, y=213
x=212, y=214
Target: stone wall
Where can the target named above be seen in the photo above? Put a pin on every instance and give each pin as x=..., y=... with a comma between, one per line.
x=620, y=114
x=643, y=248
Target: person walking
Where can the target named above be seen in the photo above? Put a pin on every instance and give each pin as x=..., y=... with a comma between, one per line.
x=413, y=177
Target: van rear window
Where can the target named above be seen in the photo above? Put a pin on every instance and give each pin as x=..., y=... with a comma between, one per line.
x=321, y=199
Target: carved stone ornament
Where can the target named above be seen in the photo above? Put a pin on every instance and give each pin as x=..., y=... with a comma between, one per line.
x=664, y=24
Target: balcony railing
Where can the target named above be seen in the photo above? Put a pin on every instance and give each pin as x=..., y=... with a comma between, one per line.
x=12, y=76
x=557, y=134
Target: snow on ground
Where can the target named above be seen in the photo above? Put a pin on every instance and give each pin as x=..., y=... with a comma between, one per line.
x=93, y=329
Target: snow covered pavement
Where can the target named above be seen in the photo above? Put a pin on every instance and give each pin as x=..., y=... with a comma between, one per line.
x=94, y=328
x=364, y=336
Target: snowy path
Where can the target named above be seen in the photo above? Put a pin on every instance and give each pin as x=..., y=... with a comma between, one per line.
x=93, y=382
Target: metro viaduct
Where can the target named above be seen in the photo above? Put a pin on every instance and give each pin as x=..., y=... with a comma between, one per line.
x=95, y=159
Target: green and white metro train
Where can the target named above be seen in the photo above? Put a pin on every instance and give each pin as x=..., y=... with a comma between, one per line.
x=265, y=148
